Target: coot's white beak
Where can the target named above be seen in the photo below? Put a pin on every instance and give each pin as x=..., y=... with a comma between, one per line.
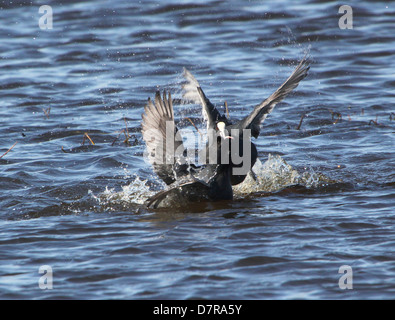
x=221, y=129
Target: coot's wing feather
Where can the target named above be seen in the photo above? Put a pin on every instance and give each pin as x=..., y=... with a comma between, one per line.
x=193, y=92
x=260, y=112
x=210, y=112
x=163, y=141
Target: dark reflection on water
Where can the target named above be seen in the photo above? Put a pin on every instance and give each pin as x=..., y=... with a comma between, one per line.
x=79, y=208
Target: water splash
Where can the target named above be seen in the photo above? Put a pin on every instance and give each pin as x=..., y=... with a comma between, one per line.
x=271, y=176
x=135, y=193
x=276, y=174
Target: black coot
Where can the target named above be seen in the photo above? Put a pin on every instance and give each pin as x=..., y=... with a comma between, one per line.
x=235, y=153
x=241, y=131
x=167, y=155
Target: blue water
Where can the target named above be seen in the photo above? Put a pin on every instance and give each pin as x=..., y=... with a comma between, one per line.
x=326, y=197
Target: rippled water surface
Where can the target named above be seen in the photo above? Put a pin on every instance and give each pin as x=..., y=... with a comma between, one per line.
x=325, y=194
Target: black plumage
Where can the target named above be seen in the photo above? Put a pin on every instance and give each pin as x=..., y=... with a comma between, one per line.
x=250, y=124
x=213, y=180
x=167, y=156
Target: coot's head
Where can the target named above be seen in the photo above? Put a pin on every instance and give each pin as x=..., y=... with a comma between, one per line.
x=223, y=132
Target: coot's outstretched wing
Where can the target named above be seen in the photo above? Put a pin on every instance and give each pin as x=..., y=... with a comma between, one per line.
x=260, y=112
x=193, y=92
x=189, y=87
x=164, y=142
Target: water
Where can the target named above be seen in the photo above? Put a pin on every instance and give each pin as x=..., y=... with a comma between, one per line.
x=325, y=196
